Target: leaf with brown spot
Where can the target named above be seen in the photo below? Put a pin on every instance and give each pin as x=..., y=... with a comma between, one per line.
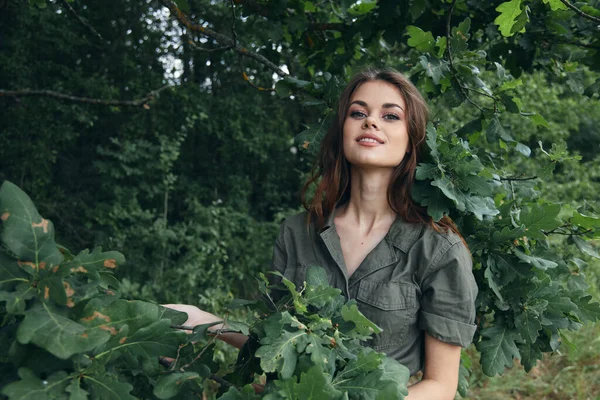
x=68, y=290
x=95, y=315
x=46, y=292
x=5, y=216
x=10, y=273
x=43, y=224
x=90, y=262
x=21, y=233
x=50, y=328
x=27, y=264
x=123, y=340
x=109, y=329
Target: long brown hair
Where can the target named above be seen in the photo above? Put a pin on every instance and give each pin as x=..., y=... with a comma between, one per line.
x=331, y=170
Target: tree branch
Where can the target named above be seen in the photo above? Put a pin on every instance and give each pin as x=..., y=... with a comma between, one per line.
x=81, y=20
x=581, y=13
x=220, y=38
x=512, y=178
x=74, y=99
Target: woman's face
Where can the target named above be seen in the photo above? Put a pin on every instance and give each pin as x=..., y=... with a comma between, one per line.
x=375, y=129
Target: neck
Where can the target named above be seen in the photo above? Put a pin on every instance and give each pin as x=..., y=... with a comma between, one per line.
x=368, y=206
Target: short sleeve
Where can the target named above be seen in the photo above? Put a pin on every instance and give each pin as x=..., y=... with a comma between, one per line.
x=448, y=297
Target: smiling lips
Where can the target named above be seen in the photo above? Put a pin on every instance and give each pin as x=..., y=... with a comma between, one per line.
x=369, y=140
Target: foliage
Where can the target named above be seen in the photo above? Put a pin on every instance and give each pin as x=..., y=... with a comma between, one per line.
x=64, y=309
x=207, y=169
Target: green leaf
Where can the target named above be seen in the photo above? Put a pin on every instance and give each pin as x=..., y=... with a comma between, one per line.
x=106, y=387
x=530, y=354
x=539, y=218
x=299, y=302
x=498, y=347
x=555, y=5
x=315, y=384
x=362, y=326
x=393, y=381
x=529, y=321
x=25, y=233
x=538, y=120
x=316, y=276
x=15, y=299
x=509, y=12
x=585, y=221
x=281, y=354
x=434, y=68
x=139, y=339
x=247, y=393
x=422, y=41
x=585, y=247
x=89, y=263
x=437, y=204
x=538, y=262
x=491, y=281
x=10, y=273
x=427, y=171
x=30, y=387
x=587, y=309
x=476, y=184
x=494, y=130
x=77, y=393
x=460, y=37
x=50, y=329
x=169, y=385
x=508, y=85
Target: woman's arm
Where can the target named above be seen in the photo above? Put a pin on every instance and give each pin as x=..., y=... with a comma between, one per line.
x=440, y=377
x=198, y=317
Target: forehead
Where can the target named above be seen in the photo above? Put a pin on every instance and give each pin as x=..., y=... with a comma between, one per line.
x=378, y=92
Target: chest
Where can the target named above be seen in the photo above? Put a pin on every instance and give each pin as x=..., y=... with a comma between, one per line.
x=356, y=247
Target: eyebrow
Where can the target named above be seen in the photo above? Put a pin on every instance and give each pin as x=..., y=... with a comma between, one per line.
x=385, y=105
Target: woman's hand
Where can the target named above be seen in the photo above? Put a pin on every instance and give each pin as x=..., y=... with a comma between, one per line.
x=197, y=316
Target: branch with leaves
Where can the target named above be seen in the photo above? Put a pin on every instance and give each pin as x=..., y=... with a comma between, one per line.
x=220, y=38
x=579, y=12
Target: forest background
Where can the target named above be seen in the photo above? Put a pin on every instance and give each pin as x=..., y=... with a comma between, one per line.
x=180, y=134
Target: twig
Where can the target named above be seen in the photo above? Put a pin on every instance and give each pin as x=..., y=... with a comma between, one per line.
x=220, y=38
x=221, y=381
x=81, y=20
x=74, y=99
x=228, y=47
x=449, y=55
x=512, y=178
x=556, y=231
x=247, y=79
x=581, y=13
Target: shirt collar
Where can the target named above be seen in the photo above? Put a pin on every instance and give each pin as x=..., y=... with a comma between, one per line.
x=402, y=234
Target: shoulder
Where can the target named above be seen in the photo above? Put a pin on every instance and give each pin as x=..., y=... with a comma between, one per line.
x=447, y=250
x=295, y=222
x=424, y=239
x=294, y=225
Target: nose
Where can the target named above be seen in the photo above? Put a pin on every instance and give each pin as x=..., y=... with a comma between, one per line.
x=370, y=122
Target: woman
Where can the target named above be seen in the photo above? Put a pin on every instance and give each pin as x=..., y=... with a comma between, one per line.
x=409, y=275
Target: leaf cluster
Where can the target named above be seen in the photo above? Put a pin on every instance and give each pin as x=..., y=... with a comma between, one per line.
x=65, y=309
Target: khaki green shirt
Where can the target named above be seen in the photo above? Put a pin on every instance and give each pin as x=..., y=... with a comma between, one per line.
x=414, y=280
